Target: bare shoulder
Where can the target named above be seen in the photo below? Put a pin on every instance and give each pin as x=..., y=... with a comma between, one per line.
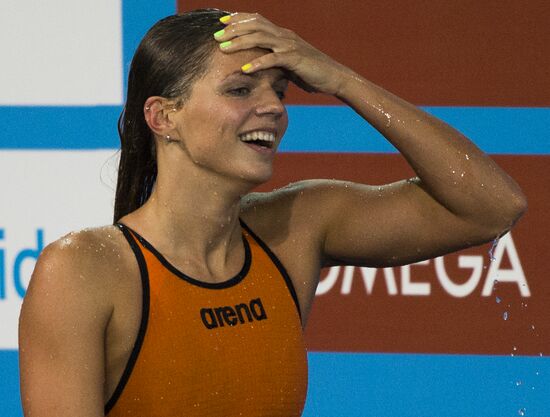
x=93, y=250
x=83, y=265
x=293, y=210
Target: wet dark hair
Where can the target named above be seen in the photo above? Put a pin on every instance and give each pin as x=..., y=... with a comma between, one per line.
x=171, y=57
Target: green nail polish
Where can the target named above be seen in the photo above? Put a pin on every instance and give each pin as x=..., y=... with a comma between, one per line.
x=219, y=33
x=224, y=45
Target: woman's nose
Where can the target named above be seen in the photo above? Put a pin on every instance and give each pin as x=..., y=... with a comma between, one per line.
x=270, y=103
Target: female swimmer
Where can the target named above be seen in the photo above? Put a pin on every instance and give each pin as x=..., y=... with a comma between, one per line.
x=193, y=302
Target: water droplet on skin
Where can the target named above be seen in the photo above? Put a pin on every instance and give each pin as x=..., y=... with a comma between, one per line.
x=492, y=250
x=505, y=315
x=467, y=157
x=532, y=327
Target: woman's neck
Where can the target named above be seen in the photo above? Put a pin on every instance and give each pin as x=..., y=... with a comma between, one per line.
x=199, y=217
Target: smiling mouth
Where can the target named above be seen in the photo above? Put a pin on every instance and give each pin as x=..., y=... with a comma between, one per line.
x=259, y=138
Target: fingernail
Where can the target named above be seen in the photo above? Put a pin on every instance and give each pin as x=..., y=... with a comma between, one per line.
x=219, y=33
x=225, y=19
x=246, y=67
x=224, y=45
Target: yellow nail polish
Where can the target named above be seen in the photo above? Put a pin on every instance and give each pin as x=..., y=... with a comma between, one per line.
x=219, y=33
x=246, y=67
x=225, y=19
x=224, y=45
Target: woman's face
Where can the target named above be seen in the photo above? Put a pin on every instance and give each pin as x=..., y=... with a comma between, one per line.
x=232, y=123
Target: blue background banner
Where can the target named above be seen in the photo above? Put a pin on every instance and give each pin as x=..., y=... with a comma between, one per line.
x=521, y=131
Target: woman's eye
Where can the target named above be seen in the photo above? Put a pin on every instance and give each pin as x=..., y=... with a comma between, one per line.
x=281, y=94
x=241, y=91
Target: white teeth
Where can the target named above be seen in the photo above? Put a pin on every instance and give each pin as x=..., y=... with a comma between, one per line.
x=258, y=135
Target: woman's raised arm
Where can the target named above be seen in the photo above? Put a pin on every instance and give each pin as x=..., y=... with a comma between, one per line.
x=459, y=198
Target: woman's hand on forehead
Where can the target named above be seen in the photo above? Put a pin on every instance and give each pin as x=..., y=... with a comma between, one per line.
x=306, y=66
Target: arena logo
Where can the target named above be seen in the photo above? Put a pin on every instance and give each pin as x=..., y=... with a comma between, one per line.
x=216, y=317
x=475, y=263
x=22, y=256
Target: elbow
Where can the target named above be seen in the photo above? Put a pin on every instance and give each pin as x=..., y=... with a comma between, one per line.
x=508, y=213
x=518, y=207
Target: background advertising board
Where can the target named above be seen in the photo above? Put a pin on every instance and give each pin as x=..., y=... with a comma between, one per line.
x=466, y=334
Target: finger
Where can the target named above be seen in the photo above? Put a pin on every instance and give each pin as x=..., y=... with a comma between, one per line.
x=231, y=31
x=287, y=61
x=243, y=24
x=242, y=17
x=240, y=29
x=259, y=40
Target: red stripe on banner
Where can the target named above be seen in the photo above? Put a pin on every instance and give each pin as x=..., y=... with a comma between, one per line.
x=462, y=53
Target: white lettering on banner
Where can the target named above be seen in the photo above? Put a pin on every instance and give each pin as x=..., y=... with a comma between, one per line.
x=368, y=275
x=325, y=285
x=19, y=283
x=413, y=288
x=515, y=274
x=495, y=273
x=460, y=290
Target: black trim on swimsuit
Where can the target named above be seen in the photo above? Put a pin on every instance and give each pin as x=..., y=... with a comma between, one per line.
x=144, y=319
x=211, y=285
x=277, y=263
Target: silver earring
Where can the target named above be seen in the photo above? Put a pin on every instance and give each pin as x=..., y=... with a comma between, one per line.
x=167, y=137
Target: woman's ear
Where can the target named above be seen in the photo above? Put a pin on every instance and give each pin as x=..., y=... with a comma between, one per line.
x=157, y=112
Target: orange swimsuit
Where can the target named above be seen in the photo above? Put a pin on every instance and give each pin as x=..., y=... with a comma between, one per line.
x=225, y=349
